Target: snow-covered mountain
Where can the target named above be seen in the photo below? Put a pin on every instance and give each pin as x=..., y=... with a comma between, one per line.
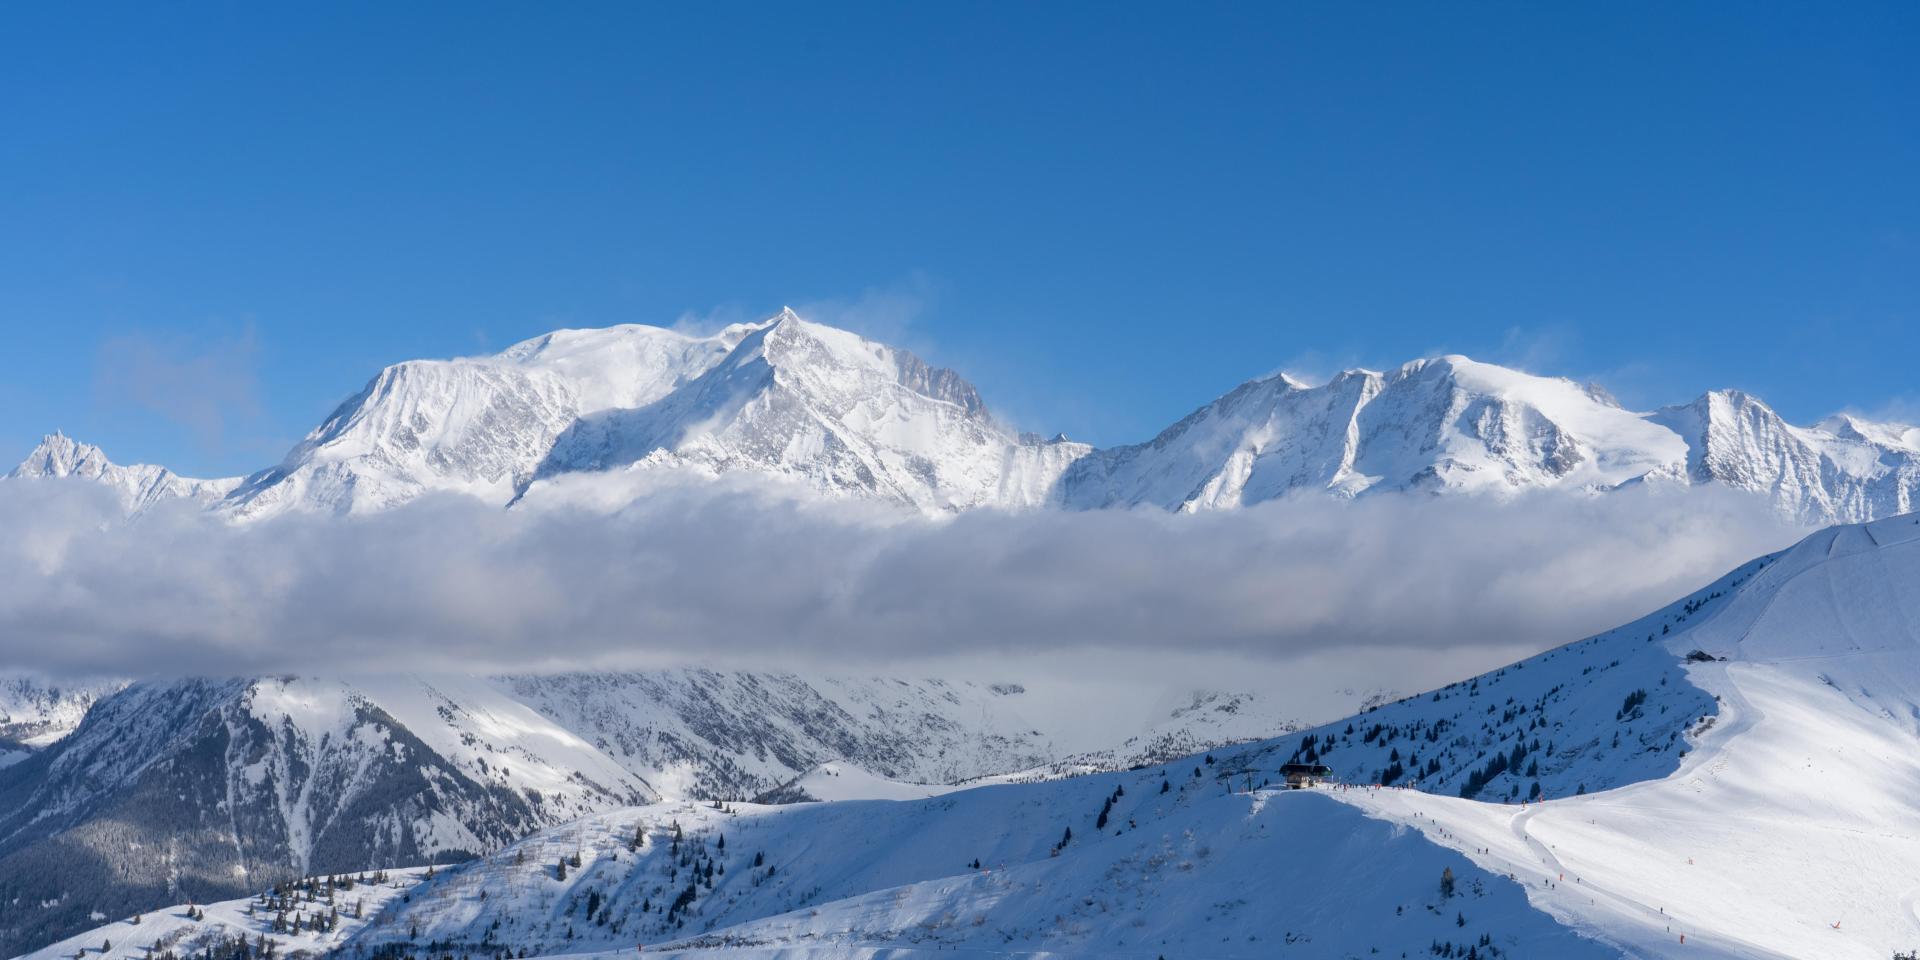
x=1448, y=423
x=850, y=417
x=1844, y=468
x=1730, y=776
x=783, y=397
x=1453, y=424
x=730, y=734
x=138, y=485
x=834, y=410
x=213, y=788
x=36, y=712
x=478, y=426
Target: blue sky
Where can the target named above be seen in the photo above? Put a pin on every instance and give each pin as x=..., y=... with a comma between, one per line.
x=219, y=220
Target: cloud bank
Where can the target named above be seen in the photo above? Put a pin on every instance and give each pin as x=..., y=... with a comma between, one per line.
x=739, y=573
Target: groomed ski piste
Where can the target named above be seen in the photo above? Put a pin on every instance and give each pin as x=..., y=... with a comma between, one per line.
x=1791, y=829
x=1760, y=805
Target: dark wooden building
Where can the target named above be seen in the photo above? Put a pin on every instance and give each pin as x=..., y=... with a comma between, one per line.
x=1299, y=776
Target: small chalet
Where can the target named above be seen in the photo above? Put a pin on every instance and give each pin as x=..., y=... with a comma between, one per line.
x=1303, y=775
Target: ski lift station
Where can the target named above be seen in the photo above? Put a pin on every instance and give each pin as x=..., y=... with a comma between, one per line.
x=1303, y=775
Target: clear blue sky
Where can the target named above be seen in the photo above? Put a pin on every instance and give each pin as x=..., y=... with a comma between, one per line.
x=219, y=220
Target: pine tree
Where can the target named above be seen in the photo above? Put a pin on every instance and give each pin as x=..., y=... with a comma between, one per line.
x=1446, y=882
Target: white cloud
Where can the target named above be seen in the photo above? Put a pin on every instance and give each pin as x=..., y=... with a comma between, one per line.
x=735, y=572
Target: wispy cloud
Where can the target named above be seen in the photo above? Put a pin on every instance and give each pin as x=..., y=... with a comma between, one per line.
x=1535, y=349
x=889, y=313
x=208, y=385
x=1902, y=409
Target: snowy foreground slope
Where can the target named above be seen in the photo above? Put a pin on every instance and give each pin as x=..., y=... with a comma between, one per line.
x=1193, y=871
x=849, y=417
x=1792, y=829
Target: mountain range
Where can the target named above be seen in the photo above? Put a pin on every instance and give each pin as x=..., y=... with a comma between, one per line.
x=120, y=797
x=850, y=417
x=117, y=798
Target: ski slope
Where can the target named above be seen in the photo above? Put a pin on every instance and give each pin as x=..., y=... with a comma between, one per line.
x=1790, y=830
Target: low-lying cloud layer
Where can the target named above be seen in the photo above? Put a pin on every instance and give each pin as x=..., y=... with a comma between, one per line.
x=737, y=573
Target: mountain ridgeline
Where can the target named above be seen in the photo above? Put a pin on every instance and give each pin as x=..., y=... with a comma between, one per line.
x=117, y=798
x=850, y=417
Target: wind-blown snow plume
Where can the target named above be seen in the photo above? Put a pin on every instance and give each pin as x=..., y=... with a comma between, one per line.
x=735, y=568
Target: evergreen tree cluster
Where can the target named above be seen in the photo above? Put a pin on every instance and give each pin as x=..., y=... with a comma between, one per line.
x=1100, y=822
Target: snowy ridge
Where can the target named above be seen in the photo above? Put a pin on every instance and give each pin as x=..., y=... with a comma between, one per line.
x=1843, y=469
x=729, y=734
x=1181, y=872
x=1453, y=424
x=138, y=485
x=35, y=711
x=1444, y=423
x=701, y=733
x=848, y=417
x=839, y=782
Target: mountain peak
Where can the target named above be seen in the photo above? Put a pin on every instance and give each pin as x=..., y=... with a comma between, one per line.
x=139, y=485
x=58, y=455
